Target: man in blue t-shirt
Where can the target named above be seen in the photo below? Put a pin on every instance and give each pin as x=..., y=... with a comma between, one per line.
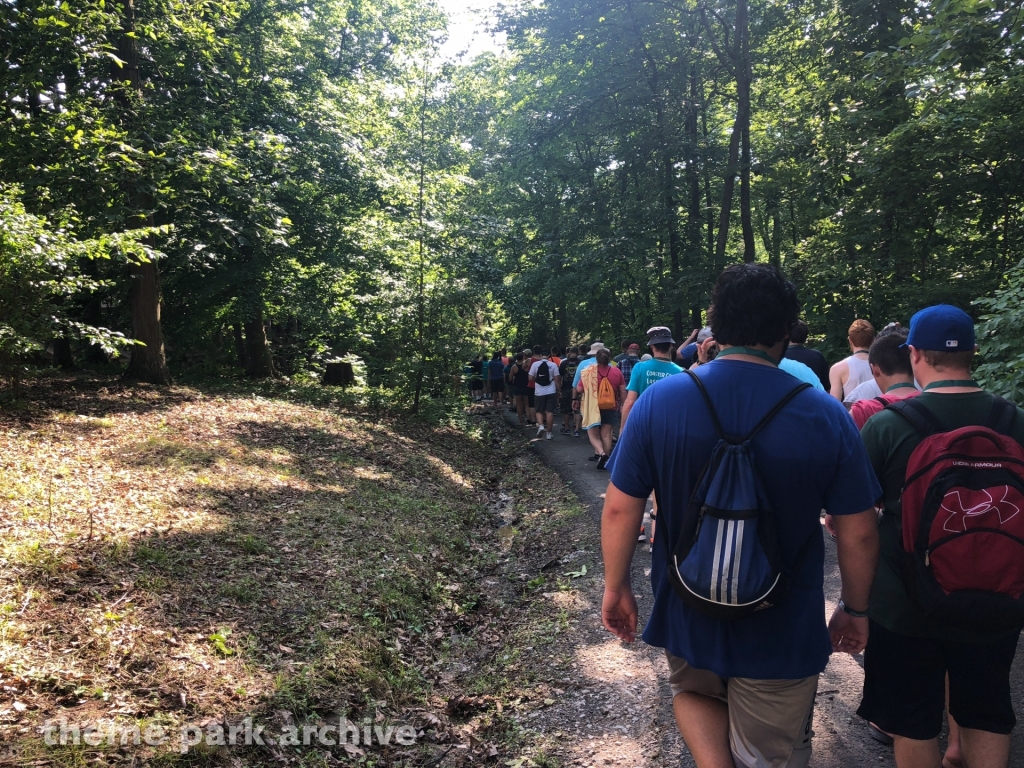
x=659, y=341
x=744, y=688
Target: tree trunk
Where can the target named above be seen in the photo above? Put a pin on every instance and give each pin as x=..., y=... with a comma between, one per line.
x=694, y=217
x=63, y=358
x=260, y=360
x=729, y=184
x=236, y=332
x=148, y=362
x=743, y=78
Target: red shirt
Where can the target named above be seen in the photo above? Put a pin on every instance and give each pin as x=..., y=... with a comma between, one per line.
x=863, y=410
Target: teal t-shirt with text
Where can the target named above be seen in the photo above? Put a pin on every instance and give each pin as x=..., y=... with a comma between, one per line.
x=650, y=372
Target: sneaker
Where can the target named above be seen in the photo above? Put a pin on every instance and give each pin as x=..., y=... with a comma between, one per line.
x=547, y=435
x=595, y=457
x=576, y=433
x=564, y=431
x=540, y=430
x=601, y=462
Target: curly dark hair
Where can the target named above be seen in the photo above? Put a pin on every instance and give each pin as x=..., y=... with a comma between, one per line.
x=753, y=304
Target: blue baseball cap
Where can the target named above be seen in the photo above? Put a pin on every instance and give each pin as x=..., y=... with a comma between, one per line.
x=942, y=328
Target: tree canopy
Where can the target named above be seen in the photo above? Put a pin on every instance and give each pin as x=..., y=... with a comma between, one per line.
x=263, y=186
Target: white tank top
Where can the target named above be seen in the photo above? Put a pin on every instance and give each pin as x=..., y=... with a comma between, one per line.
x=860, y=371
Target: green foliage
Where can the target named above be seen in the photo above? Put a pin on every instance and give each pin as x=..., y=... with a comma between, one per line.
x=41, y=273
x=1001, y=338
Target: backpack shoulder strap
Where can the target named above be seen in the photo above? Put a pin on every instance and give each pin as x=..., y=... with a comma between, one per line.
x=707, y=402
x=919, y=416
x=1001, y=416
x=775, y=411
x=881, y=399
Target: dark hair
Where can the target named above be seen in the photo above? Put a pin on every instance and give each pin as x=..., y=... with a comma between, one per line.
x=957, y=361
x=603, y=353
x=584, y=348
x=885, y=352
x=572, y=351
x=626, y=343
x=663, y=347
x=798, y=333
x=753, y=304
x=519, y=357
x=496, y=356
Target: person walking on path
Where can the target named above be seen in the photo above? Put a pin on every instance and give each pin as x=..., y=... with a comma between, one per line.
x=603, y=391
x=520, y=376
x=812, y=358
x=546, y=380
x=567, y=372
x=644, y=374
x=920, y=451
x=588, y=361
x=529, y=358
x=854, y=370
x=476, y=382
x=744, y=686
x=496, y=376
x=889, y=359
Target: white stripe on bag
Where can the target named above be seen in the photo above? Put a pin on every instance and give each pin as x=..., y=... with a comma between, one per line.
x=730, y=531
x=716, y=594
x=736, y=565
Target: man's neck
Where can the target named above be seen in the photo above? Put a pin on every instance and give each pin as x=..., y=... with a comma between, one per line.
x=926, y=375
x=774, y=351
x=886, y=382
x=660, y=356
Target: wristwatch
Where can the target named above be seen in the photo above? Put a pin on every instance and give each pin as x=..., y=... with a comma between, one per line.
x=856, y=614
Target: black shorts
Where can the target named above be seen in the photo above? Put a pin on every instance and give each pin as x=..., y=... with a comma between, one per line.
x=521, y=391
x=530, y=397
x=905, y=684
x=566, y=402
x=497, y=385
x=608, y=417
x=545, y=403
x=477, y=384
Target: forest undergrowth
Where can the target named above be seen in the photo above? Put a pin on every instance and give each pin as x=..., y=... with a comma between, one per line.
x=191, y=557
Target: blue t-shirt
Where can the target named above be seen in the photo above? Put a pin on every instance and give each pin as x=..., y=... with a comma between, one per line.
x=801, y=371
x=650, y=372
x=585, y=362
x=810, y=457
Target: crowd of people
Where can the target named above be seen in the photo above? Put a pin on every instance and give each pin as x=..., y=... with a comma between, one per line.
x=750, y=442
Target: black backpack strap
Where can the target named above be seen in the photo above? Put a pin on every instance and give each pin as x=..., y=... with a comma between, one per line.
x=919, y=416
x=881, y=399
x=707, y=402
x=775, y=411
x=1001, y=416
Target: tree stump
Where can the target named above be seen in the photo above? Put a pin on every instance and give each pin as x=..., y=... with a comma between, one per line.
x=339, y=375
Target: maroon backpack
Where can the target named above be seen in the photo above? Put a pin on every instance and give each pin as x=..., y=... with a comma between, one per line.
x=963, y=520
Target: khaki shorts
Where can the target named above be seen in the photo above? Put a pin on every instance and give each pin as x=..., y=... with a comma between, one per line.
x=769, y=720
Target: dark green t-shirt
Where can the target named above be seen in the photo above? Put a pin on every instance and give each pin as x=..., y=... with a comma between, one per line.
x=890, y=440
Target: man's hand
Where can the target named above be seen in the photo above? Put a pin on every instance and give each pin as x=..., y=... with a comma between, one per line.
x=619, y=613
x=849, y=634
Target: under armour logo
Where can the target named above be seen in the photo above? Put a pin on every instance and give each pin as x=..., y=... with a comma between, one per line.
x=961, y=510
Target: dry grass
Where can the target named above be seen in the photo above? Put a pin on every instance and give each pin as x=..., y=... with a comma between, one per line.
x=184, y=556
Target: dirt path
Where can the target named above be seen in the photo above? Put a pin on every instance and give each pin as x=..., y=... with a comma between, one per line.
x=618, y=709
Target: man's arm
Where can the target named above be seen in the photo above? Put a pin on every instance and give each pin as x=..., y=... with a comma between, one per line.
x=836, y=376
x=627, y=406
x=857, y=550
x=620, y=521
